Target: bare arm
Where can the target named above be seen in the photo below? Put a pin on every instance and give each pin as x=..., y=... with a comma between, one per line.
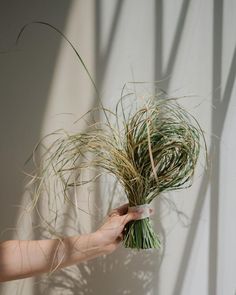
x=21, y=259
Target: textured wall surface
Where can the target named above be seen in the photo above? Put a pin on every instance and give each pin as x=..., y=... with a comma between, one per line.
x=189, y=47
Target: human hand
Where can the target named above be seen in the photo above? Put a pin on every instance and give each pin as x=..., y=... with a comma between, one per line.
x=111, y=232
x=24, y=259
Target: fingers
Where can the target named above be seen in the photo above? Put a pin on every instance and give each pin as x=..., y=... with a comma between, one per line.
x=120, y=210
x=113, y=213
x=131, y=216
x=136, y=215
x=123, y=209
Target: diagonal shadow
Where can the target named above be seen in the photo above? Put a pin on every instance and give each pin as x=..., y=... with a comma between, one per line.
x=228, y=89
x=176, y=43
x=160, y=74
x=103, y=58
x=218, y=119
x=158, y=62
x=191, y=235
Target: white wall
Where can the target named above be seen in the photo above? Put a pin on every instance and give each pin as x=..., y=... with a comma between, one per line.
x=190, y=45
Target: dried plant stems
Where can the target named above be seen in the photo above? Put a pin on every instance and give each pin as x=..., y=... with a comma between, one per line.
x=155, y=150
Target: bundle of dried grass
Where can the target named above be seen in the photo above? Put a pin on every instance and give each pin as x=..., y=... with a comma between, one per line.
x=154, y=150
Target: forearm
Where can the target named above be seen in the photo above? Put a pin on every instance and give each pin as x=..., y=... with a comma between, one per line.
x=21, y=259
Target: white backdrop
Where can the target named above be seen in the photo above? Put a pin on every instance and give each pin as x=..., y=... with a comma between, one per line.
x=189, y=46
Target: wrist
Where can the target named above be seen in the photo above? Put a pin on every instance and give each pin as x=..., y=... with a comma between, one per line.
x=99, y=239
x=105, y=246
x=80, y=248
x=97, y=245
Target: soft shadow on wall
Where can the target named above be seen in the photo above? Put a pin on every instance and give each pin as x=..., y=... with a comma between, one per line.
x=135, y=273
x=138, y=273
x=220, y=100
x=18, y=104
x=26, y=75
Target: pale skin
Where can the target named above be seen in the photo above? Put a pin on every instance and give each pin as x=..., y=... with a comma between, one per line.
x=21, y=259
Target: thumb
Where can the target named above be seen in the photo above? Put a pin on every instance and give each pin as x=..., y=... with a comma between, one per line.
x=137, y=215
x=131, y=216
